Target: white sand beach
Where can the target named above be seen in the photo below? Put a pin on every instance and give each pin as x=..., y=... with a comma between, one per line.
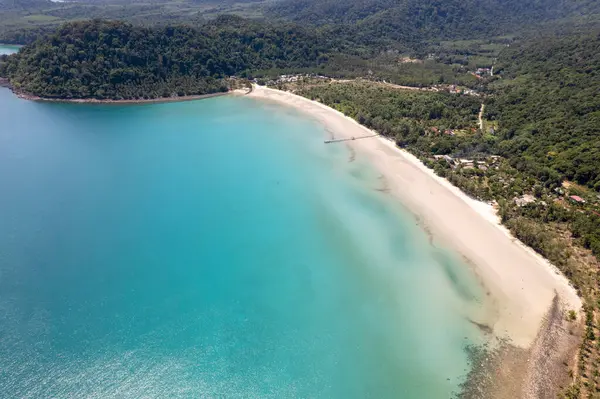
x=520, y=283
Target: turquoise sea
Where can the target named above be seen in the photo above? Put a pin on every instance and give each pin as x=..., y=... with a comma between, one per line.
x=213, y=249
x=8, y=48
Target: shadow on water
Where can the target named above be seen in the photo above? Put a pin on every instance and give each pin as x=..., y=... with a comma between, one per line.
x=460, y=279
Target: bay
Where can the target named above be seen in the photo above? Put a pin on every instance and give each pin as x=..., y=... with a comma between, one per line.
x=214, y=248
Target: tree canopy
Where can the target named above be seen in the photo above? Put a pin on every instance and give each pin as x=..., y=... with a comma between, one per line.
x=109, y=59
x=548, y=107
x=415, y=21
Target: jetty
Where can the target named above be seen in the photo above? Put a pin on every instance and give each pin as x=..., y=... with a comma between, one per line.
x=349, y=139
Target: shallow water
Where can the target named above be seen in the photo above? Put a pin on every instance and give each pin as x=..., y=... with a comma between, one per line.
x=8, y=49
x=213, y=249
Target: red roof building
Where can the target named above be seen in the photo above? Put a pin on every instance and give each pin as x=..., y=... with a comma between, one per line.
x=577, y=198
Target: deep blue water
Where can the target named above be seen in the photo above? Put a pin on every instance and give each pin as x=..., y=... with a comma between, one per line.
x=213, y=249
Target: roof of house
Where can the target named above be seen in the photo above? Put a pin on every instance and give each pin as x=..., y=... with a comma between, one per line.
x=577, y=198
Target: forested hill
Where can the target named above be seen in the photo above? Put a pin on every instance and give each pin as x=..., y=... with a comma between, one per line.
x=548, y=107
x=22, y=4
x=100, y=59
x=416, y=20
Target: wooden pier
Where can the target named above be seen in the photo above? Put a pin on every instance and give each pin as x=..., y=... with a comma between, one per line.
x=350, y=139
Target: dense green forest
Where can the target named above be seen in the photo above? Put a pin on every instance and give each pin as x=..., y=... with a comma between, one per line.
x=413, y=22
x=116, y=60
x=548, y=106
x=23, y=21
x=380, y=24
x=406, y=115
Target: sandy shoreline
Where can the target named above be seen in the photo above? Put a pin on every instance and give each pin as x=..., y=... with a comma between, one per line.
x=521, y=284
